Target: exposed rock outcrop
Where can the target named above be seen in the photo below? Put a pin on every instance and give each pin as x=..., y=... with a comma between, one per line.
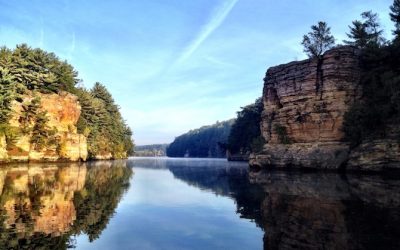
x=304, y=107
x=62, y=112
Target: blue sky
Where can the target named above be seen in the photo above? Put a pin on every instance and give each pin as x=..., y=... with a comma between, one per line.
x=175, y=65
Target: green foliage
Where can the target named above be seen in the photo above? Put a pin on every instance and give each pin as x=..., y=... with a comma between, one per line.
x=318, y=40
x=395, y=16
x=11, y=134
x=151, y=150
x=246, y=128
x=9, y=91
x=37, y=70
x=203, y=142
x=28, y=114
x=367, y=32
x=379, y=109
x=102, y=123
x=282, y=134
x=42, y=136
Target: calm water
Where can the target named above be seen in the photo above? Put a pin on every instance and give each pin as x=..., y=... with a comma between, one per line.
x=193, y=204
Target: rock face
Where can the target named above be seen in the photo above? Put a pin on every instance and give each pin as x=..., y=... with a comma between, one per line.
x=62, y=112
x=304, y=107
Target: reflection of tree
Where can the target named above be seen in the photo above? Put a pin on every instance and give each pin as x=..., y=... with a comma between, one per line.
x=42, y=206
x=227, y=181
x=97, y=201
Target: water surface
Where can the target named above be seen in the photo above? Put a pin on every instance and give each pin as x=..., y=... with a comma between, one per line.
x=148, y=203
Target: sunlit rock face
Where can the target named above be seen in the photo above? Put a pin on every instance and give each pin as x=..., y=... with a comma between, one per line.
x=304, y=107
x=63, y=111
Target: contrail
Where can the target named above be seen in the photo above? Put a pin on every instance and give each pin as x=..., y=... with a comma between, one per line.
x=71, y=48
x=217, y=19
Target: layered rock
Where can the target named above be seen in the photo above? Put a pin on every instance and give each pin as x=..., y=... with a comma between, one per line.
x=62, y=112
x=304, y=107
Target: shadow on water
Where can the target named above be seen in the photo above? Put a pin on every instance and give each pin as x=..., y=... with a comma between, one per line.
x=300, y=210
x=43, y=205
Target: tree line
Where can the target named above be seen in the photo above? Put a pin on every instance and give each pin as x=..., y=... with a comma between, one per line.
x=204, y=142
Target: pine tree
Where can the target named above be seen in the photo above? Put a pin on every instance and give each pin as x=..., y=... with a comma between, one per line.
x=373, y=28
x=318, y=40
x=395, y=16
x=358, y=34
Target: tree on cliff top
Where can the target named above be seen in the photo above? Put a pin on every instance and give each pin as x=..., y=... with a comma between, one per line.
x=38, y=70
x=395, y=16
x=367, y=32
x=318, y=40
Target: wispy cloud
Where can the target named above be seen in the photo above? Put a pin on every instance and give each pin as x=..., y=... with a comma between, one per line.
x=41, y=39
x=72, y=46
x=216, y=20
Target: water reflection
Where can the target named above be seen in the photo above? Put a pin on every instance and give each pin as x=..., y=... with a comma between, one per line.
x=304, y=210
x=329, y=211
x=182, y=204
x=41, y=206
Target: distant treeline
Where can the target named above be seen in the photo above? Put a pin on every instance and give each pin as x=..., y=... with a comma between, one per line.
x=153, y=150
x=207, y=141
x=238, y=136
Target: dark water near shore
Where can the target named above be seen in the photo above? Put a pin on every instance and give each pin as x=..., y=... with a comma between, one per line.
x=193, y=204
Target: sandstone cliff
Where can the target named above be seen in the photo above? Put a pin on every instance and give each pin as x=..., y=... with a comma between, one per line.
x=304, y=107
x=59, y=137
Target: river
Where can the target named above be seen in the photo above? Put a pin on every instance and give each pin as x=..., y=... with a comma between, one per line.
x=161, y=203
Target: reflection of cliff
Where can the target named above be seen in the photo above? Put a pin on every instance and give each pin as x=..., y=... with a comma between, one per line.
x=306, y=210
x=40, y=199
x=328, y=211
x=45, y=203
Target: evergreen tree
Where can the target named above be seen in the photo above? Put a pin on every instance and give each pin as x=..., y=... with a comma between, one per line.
x=202, y=142
x=245, y=133
x=377, y=114
x=367, y=32
x=102, y=123
x=373, y=29
x=318, y=40
x=395, y=16
x=358, y=34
